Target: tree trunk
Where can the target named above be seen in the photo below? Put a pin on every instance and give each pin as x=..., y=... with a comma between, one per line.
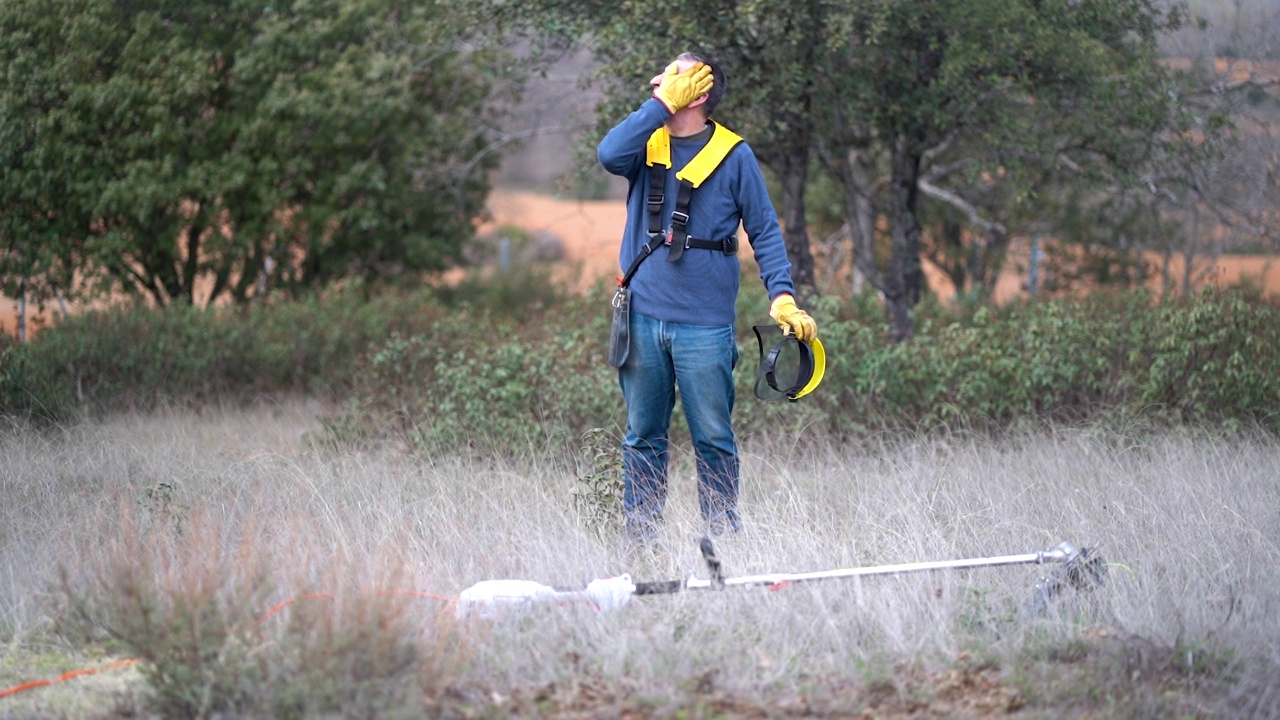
x=1192, y=248
x=57, y=293
x=191, y=265
x=904, y=281
x=166, y=266
x=859, y=174
x=22, y=296
x=990, y=263
x=795, y=228
x=951, y=258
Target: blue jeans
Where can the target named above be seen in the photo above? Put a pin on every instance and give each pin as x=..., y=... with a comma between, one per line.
x=699, y=361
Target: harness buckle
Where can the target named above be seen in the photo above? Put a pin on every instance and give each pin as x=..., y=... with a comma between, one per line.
x=683, y=245
x=729, y=245
x=679, y=218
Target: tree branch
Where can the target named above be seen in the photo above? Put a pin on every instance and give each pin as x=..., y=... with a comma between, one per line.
x=960, y=204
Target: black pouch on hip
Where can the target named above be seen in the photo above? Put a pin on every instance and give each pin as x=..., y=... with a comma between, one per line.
x=620, y=333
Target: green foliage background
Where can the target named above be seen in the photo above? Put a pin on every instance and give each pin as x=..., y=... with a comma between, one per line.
x=343, y=143
x=196, y=151
x=508, y=369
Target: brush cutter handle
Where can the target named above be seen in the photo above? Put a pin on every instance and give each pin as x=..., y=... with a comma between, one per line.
x=660, y=587
x=1063, y=553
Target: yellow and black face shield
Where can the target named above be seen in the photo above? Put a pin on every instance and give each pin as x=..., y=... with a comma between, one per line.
x=789, y=368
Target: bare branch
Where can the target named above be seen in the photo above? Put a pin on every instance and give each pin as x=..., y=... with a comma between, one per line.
x=506, y=138
x=962, y=205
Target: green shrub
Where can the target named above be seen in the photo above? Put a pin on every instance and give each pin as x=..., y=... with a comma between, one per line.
x=505, y=361
x=525, y=293
x=137, y=358
x=597, y=494
x=1210, y=358
x=476, y=380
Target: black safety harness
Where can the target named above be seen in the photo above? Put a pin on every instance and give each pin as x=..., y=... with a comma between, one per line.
x=658, y=157
x=676, y=234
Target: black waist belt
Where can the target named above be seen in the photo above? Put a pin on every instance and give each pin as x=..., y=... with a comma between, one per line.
x=728, y=246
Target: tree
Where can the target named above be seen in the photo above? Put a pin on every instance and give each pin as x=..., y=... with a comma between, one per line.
x=196, y=150
x=985, y=107
x=1216, y=182
x=968, y=91
x=36, y=256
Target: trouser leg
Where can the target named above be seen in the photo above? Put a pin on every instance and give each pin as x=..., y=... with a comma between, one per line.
x=704, y=358
x=648, y=387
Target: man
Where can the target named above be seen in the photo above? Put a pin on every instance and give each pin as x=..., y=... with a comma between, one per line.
x=682, y=297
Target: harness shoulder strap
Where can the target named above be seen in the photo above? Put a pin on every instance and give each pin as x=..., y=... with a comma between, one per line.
x=722, y=142
x=658, y=158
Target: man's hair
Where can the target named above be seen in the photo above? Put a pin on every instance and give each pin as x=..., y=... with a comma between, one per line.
x=717, y=77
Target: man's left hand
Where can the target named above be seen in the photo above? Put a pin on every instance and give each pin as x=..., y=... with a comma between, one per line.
x=792, y=319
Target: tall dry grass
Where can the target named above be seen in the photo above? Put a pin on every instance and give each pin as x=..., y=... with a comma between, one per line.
x=171, y=536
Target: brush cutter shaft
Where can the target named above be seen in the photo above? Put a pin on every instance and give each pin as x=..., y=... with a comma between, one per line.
x=1062, y=553
x=779, y=578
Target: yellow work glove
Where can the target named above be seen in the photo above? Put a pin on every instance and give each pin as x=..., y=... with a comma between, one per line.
x=792, y=319
x=677, y=89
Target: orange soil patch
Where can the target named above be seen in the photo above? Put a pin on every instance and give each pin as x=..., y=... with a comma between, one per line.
x=1262, y=271
x=36, y=320
x=1233, y=70
x=591, y=230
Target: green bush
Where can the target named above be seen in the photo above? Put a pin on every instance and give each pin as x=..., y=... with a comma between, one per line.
x=138, y=358
x=479, y=368
x=1210, y=358
x=478, y=380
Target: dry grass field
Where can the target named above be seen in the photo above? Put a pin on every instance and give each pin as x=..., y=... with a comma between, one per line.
x=229, y=563
x=247, y=565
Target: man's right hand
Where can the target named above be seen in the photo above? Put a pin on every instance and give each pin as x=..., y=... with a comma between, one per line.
x=676, y=88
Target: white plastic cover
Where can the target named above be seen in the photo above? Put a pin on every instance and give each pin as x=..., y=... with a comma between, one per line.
x=485, y=597
x=489, y=597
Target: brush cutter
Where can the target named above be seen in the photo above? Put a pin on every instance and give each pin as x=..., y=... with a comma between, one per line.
x=1081, y=569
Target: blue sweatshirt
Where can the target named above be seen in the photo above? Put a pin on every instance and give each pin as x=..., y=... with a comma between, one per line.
x=702, y=286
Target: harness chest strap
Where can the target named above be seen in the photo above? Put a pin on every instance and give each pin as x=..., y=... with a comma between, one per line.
x=692, y=175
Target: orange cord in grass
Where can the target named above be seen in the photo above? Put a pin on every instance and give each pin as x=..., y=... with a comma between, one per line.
x=67, y=676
